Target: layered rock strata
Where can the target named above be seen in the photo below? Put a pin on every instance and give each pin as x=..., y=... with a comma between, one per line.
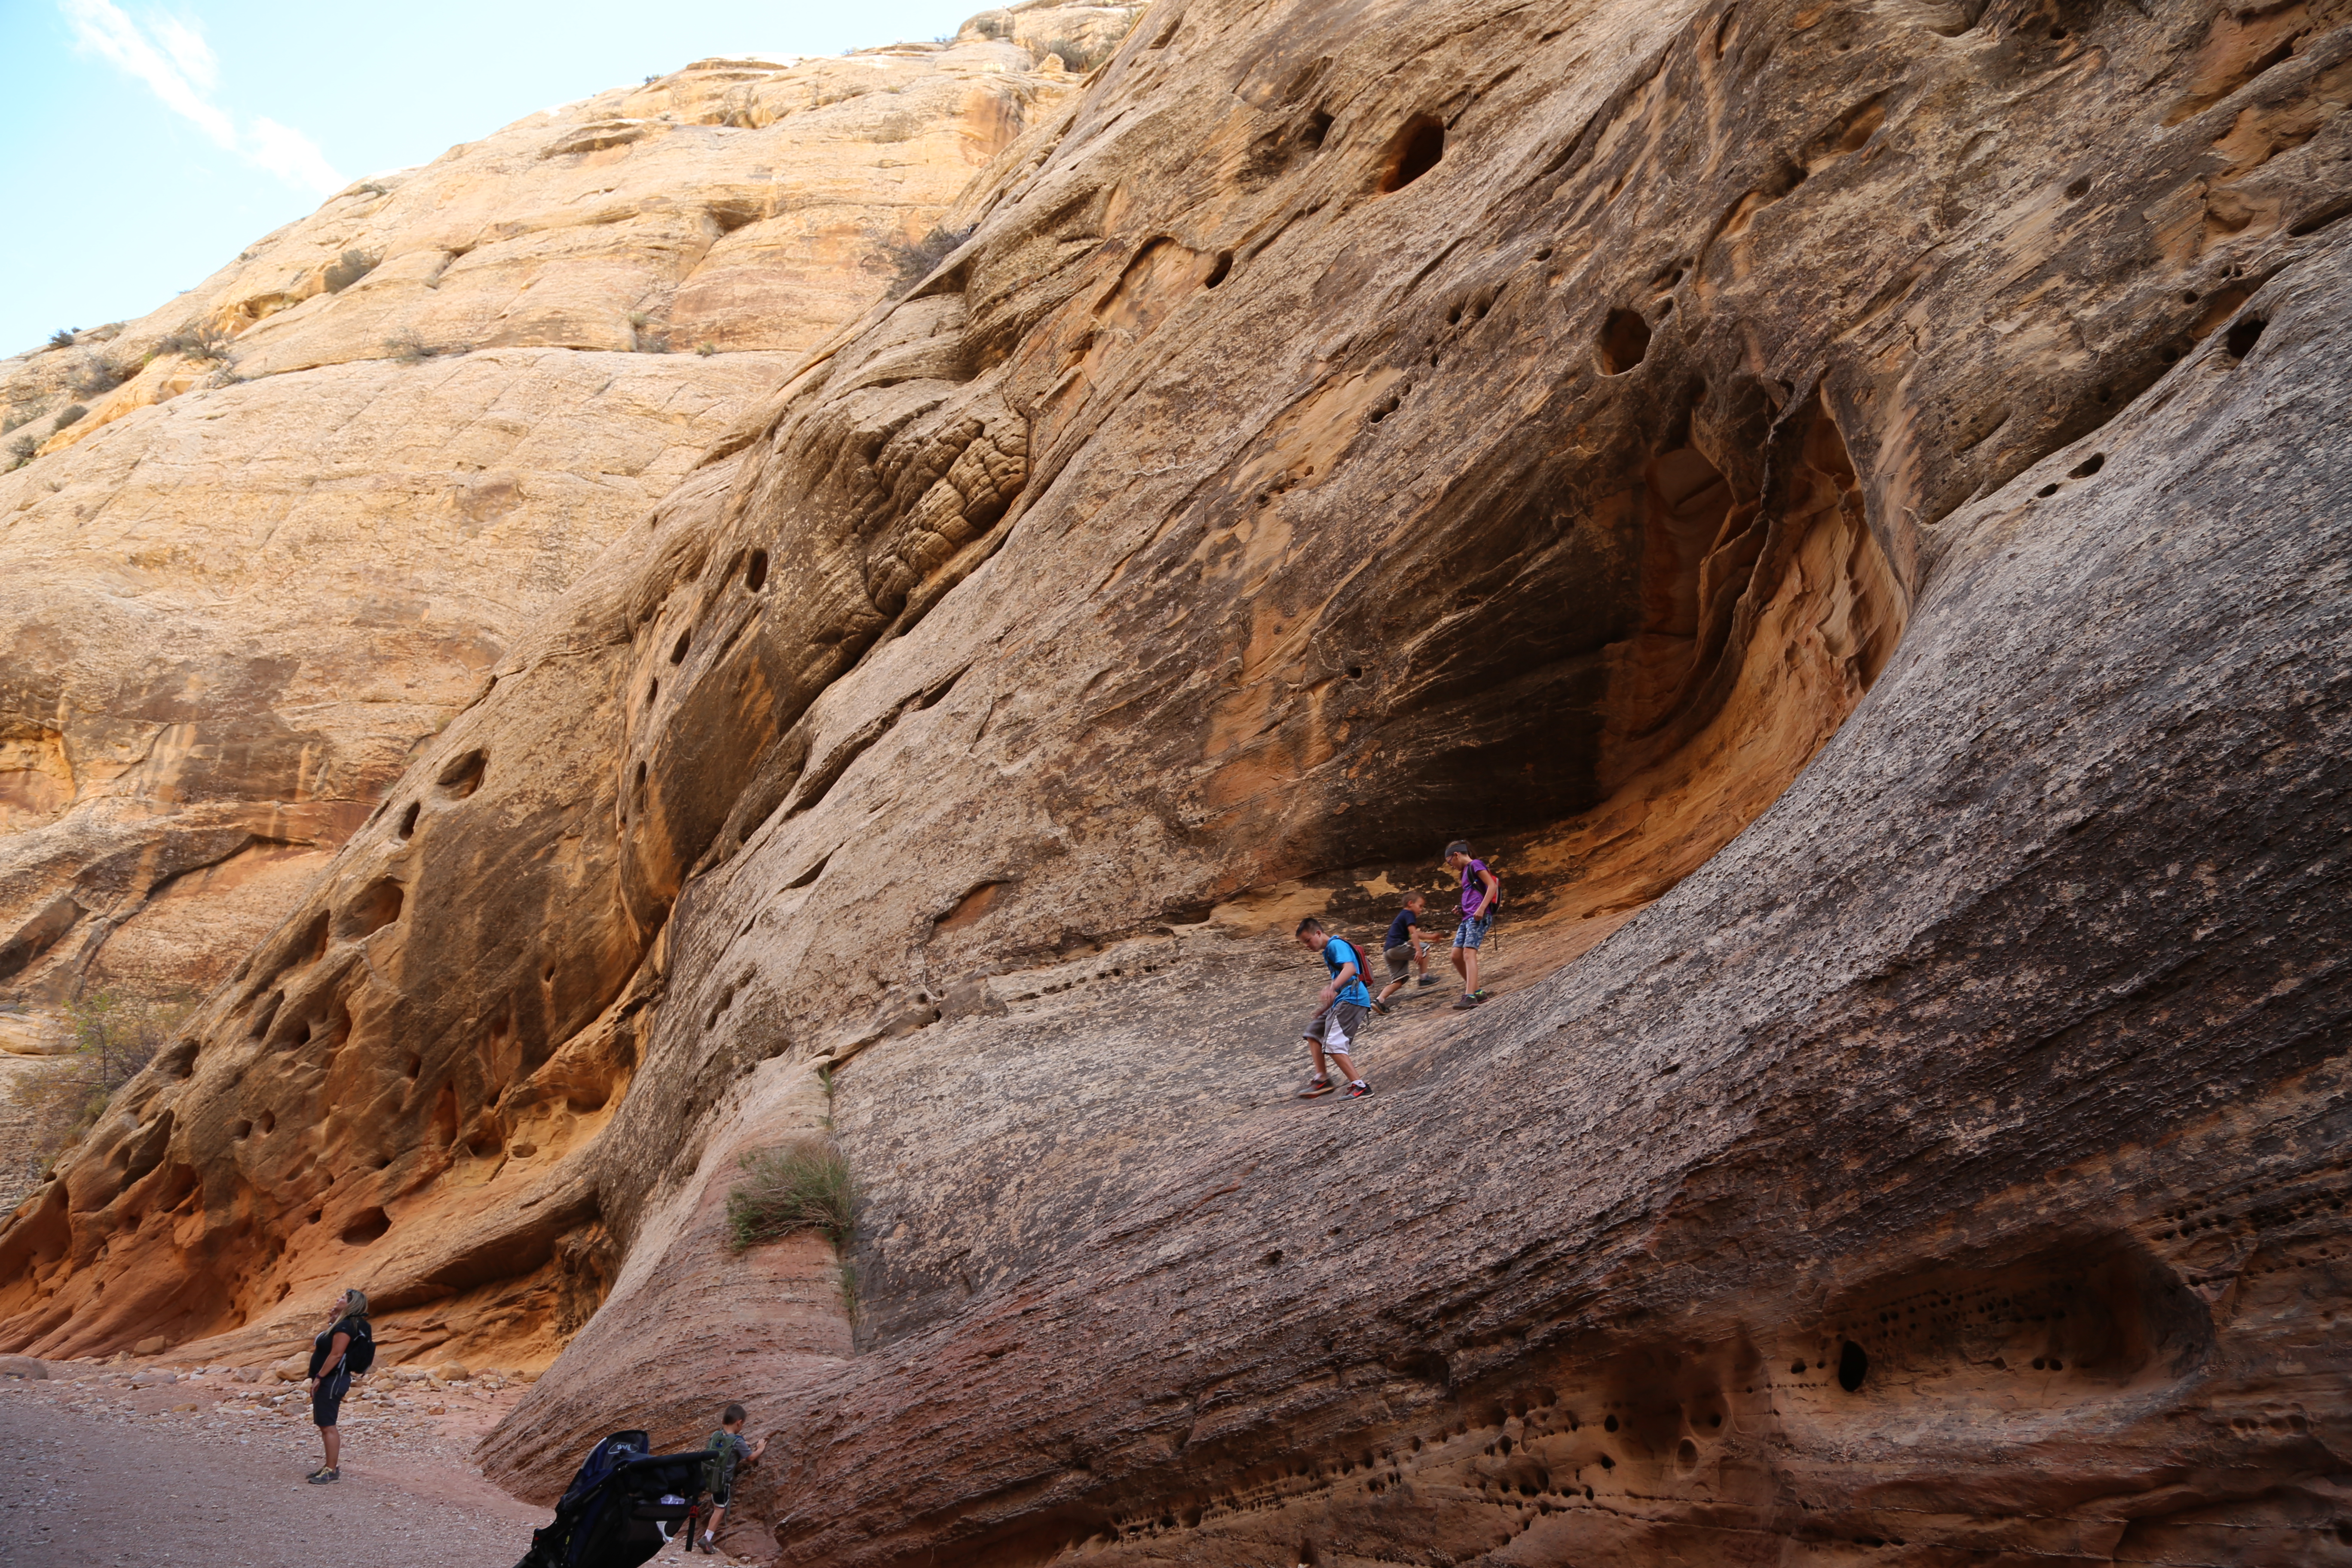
x=1348, y=428
x=346, y=470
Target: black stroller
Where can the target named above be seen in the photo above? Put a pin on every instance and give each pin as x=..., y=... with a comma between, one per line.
x=612, y=1513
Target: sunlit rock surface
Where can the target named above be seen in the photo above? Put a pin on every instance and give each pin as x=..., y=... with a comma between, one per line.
x=231, y=611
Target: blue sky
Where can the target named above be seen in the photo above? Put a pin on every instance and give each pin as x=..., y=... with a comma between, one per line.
x=146, y=145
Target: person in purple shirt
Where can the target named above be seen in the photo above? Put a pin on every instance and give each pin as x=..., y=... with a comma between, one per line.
x=1481, y=897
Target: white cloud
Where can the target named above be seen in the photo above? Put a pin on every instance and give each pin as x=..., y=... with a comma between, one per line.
x=173, y=58
x=291, y=156
x=186, y=49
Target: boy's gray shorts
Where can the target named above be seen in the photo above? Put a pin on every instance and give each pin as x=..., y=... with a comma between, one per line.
x=1400, y=958
x=1336, y=1030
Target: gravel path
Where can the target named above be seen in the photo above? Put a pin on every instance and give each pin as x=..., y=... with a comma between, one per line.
x=93, y=1472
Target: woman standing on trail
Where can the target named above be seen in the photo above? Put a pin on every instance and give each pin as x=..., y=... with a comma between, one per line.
x=332, y=1362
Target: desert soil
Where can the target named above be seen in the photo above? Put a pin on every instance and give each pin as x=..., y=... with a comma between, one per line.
x=206, y=1471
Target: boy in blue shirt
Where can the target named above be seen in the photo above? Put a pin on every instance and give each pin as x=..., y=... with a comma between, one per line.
x=1344, y=1007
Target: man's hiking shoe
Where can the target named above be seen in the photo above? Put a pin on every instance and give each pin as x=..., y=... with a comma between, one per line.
x=1382, y=1008
x=1466, y=1003
x=1429, y=979
x=1316, y=1086
x=319, y=1478
x=1358, y=1090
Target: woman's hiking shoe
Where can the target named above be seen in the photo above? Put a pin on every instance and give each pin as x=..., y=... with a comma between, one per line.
x=319, y=1478
x=1358, y=1090
x=1464, y=1003
x=1315, y=1086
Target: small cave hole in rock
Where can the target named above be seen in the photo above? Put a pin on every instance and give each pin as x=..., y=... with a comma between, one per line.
x=1414, y=152
x=2088, y=465
x=2238, y=340
x=1220, y=271
x=684, y=641
x=241, y=1131
x=1609, y=1424
x=2078, y=190
x=464, y=774
x=653, y=692
x=1607, y=1463
x=1854, y=1365
x=2045, y=492
x=1796, y=1368
x=365, y=1226
x=755, y=570
x=376, y=907
x=407, y=829
x=1624, y=342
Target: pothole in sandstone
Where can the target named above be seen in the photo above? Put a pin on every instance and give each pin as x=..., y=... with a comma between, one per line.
x=1625, y=708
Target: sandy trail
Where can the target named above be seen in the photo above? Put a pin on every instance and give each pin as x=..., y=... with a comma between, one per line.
x=93, y=1472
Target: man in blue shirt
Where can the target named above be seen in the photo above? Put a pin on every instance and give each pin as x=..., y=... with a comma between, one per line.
x=1341, y=1013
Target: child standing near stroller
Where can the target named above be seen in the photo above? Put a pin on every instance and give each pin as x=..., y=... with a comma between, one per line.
x=727, y=1452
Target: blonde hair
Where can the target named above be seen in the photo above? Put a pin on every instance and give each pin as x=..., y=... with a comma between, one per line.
x=357, y=1301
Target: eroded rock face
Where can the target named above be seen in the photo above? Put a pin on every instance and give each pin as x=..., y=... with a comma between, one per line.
x=1357, y=428
x=233, y=608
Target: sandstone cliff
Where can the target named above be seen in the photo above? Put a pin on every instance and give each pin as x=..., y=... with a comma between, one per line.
x=345, y=471
x=1851, y=500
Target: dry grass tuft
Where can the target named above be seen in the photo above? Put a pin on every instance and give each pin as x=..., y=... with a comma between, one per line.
x=804, y=1186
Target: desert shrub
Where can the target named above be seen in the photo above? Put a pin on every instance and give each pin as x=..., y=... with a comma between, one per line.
x=804, y=1186
x=910, y=264
x=706, y=348
x=63, y=337
x=95, y=374
x=110, y=1036
x=408, y=348
x=349, y=268
x=193, y=342
x=21, y=450
x=643, y=341
x=72, y=415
